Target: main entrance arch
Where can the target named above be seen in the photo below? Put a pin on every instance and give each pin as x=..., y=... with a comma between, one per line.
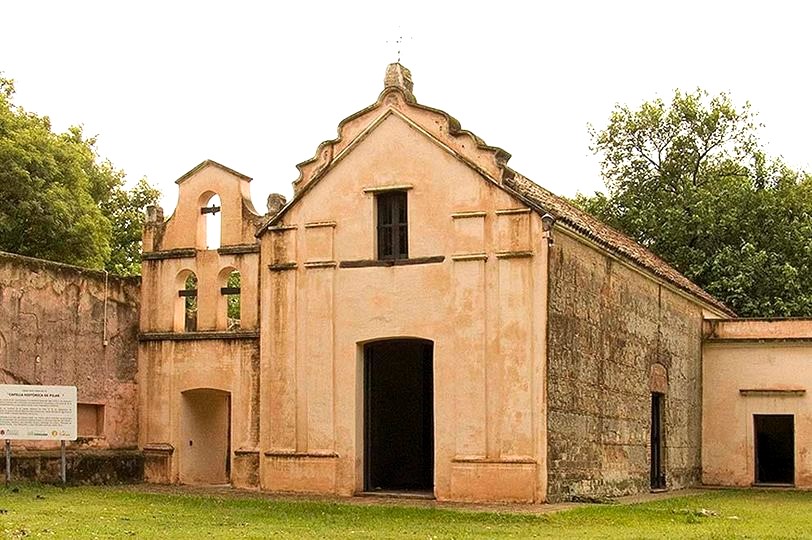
x=399, y=415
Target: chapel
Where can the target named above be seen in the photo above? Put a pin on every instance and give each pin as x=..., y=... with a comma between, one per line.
x=420, y=319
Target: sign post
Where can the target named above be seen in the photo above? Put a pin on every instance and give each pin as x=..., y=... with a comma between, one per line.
x=62, y=456
x=8, y=461
x=35, y=412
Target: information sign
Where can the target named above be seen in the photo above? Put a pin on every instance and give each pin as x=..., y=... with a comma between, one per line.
x=33, y=412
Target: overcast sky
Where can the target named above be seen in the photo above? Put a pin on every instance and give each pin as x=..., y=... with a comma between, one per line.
x=258, y=85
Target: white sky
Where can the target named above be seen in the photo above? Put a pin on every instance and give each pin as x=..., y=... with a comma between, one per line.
x=258, y=85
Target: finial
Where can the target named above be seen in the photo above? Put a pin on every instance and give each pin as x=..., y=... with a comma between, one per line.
x=275, y=203
x=155, y=214
x=400, y=77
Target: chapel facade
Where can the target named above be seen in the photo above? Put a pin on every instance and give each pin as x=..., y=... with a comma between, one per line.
x=419, y=318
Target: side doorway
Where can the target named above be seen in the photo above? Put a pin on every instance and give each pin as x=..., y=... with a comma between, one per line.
x=205, y=444
x=657, y=473
x=774, y=439
x=399, y=416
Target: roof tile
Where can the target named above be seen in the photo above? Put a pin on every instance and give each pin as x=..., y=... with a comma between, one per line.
x=545, y=201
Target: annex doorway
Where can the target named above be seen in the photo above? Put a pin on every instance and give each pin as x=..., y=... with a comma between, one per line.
x=205, y=444
x=657, y=473
x=774, y=436
x=399, y=416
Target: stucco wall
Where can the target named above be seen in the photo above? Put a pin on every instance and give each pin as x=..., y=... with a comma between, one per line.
x=52, y=319
x=608, y=325
x=772, y=362
x=211, y=367
x=481, y=304
x=172, y=367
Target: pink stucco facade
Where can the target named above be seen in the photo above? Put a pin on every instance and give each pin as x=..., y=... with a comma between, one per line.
x=481, y=301
x=545, y=339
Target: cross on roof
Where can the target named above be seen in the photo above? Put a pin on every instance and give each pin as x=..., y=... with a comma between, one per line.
x=399, y=43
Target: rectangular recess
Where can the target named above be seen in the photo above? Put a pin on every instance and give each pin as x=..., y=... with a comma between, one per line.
x=90, y=419
x=318, y=243
x=469, y=233
x=513, y=231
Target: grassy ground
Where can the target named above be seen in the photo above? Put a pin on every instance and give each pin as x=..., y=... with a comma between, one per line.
x=105, y=512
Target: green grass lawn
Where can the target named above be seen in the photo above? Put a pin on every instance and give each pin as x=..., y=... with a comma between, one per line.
x=109, y=512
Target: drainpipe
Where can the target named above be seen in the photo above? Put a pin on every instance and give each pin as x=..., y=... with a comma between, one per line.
x=104, y=317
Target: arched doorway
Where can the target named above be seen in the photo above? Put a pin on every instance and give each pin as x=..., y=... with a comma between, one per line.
x=399, y=416
x=205, y=447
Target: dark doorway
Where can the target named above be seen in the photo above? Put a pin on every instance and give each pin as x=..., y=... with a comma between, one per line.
x=657, y=441
x=775, y=448
x=398, y=416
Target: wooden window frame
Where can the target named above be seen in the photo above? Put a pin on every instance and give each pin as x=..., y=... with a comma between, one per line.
x=392, y=225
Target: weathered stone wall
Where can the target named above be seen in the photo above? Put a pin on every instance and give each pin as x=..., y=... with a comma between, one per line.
x=86, y=466
x=608, y=325
x=52, y=320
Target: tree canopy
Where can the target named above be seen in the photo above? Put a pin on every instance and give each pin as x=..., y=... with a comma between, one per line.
x=59, y=200
x=690, y=180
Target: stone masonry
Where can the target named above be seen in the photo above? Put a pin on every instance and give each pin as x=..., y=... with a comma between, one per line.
x=608, y=325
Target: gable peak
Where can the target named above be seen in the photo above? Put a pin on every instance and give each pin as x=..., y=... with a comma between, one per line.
x=211, y=163
x=399, y=76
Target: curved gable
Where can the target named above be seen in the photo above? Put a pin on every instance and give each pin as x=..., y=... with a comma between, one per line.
x=491, y=162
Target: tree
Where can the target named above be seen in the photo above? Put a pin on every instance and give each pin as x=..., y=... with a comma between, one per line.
x=125, y=210
x=59, y=200
x=690, y=181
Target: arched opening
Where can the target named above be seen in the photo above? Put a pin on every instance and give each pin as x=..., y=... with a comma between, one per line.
x=205, y=436
x=399, y=416
x=209, y=224
x=230, y=295
x=186, y=302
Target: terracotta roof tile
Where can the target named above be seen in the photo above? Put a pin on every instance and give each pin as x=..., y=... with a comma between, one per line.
x=544, y=201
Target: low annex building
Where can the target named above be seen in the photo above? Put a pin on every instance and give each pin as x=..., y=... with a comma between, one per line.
x=757, y=418
x=420, y=317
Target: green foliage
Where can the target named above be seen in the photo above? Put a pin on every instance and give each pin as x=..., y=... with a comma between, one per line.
x=125, y=209
x=190, y=303
x=233, y=301
x=59, y=200
x=690, y=181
